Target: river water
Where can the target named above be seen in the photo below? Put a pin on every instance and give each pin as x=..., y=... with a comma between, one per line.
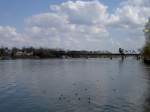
x=74, y=85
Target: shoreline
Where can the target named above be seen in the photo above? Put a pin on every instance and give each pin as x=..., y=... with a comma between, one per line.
x=110, y=56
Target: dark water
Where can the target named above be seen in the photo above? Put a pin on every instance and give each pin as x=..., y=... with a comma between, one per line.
x=75, y=85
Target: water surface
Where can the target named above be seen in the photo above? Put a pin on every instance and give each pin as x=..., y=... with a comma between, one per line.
x=74, y=85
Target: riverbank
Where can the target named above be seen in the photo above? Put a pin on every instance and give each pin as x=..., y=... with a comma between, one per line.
x=71, y=56
x=46, y=53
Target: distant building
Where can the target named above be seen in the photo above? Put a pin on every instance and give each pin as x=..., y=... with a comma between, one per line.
x=23, y=54
x=19, y=53
x=28, y=54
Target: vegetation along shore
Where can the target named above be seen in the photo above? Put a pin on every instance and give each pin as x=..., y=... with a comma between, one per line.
x=45, y=53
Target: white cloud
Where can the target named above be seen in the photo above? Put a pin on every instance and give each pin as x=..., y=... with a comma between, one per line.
x=9, y=37
x=82, y=12
x=84, y=25
x=129, y=22
x=132, y=13
x=70, y=25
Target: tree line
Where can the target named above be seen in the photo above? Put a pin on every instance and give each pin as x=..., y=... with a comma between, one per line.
x=31, y=52
x=146, y=49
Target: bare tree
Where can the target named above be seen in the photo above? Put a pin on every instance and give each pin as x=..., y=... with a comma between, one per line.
x=146, y=50
x=147, y=32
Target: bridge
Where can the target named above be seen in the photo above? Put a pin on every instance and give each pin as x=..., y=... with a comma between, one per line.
x=100, y=55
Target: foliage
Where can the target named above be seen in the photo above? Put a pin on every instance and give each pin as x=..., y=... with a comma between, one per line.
x=121, y=51
x=146, y=52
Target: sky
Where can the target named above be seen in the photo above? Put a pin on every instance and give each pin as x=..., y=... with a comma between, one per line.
x=74, y=24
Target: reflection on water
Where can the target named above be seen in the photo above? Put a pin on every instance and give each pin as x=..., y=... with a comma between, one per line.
x=75, y=85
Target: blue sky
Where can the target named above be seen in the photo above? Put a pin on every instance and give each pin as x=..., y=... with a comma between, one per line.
x=74, y=24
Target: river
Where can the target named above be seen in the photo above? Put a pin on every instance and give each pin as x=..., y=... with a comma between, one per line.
x=74, y=85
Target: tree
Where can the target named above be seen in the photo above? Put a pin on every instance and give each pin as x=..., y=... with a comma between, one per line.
x=121, y=51
x=146, y=50
x=14, y=51
x=2, y=51
x=147, y=32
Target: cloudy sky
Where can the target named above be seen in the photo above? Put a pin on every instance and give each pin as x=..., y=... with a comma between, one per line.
x=74, y=24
